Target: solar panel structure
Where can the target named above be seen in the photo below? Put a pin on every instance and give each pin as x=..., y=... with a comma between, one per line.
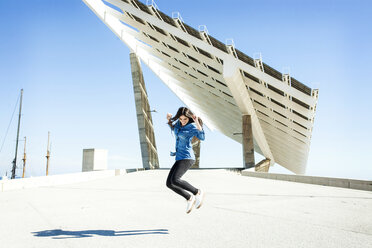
x=218, y=81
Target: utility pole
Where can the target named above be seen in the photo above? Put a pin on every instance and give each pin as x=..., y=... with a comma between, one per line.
x=48, y=155
x=19, y=123
x=24, y=160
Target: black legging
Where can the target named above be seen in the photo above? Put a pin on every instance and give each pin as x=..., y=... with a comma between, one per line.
x=174, y=181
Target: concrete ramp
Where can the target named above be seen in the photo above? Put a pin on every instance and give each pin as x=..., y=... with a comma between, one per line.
x=138, y=210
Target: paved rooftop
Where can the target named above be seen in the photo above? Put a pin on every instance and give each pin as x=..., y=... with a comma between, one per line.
x=138, y=210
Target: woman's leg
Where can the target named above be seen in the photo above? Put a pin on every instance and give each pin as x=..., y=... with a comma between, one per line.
x=174, y=181
x=183, y=166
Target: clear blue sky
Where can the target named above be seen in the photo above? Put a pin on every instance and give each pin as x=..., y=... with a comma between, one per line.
x=77, y=83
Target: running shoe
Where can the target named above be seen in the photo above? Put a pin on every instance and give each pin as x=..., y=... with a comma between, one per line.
x=190, y=204
x=199, y=198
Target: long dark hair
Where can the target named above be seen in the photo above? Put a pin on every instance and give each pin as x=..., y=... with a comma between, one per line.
x=186, y=112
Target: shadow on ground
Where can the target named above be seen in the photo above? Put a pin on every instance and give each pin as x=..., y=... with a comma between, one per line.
x=61, y=234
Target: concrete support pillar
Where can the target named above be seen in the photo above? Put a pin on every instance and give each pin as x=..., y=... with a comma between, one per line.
x=263, y=166
x=144, y=119
x=248, y=149
x=196, y=147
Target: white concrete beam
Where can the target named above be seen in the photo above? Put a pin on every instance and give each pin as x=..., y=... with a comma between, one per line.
x=235, y=82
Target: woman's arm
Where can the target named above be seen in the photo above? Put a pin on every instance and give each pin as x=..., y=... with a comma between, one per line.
x=198, y=132
x=169, y=116
x=196, y=120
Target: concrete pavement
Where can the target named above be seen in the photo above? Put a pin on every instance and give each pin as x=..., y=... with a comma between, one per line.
x=138, y=210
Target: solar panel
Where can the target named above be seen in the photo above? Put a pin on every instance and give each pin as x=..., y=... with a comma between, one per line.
x=194, y=65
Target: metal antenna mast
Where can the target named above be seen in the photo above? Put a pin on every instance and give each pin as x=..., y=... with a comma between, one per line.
x=19, y=123
x=48, y=155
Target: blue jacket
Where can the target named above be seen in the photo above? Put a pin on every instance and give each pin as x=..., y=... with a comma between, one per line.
x=184, y=135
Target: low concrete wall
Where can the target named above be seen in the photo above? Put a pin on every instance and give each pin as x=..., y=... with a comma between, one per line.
x=33, y=182
x=326, y=181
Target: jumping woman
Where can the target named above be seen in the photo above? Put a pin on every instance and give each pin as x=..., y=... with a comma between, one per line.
x=187, y=126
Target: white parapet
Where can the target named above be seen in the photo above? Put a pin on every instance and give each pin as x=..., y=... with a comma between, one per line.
x=44, y=181
x=94, y=159
x=325, y=181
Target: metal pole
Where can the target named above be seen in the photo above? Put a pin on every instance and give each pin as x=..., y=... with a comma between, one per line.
x=47, y=156
x=24, y=160
x=19, y=123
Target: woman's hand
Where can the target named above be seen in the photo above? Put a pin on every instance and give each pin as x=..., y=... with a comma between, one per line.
x=196, y=120
x=169, y=116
